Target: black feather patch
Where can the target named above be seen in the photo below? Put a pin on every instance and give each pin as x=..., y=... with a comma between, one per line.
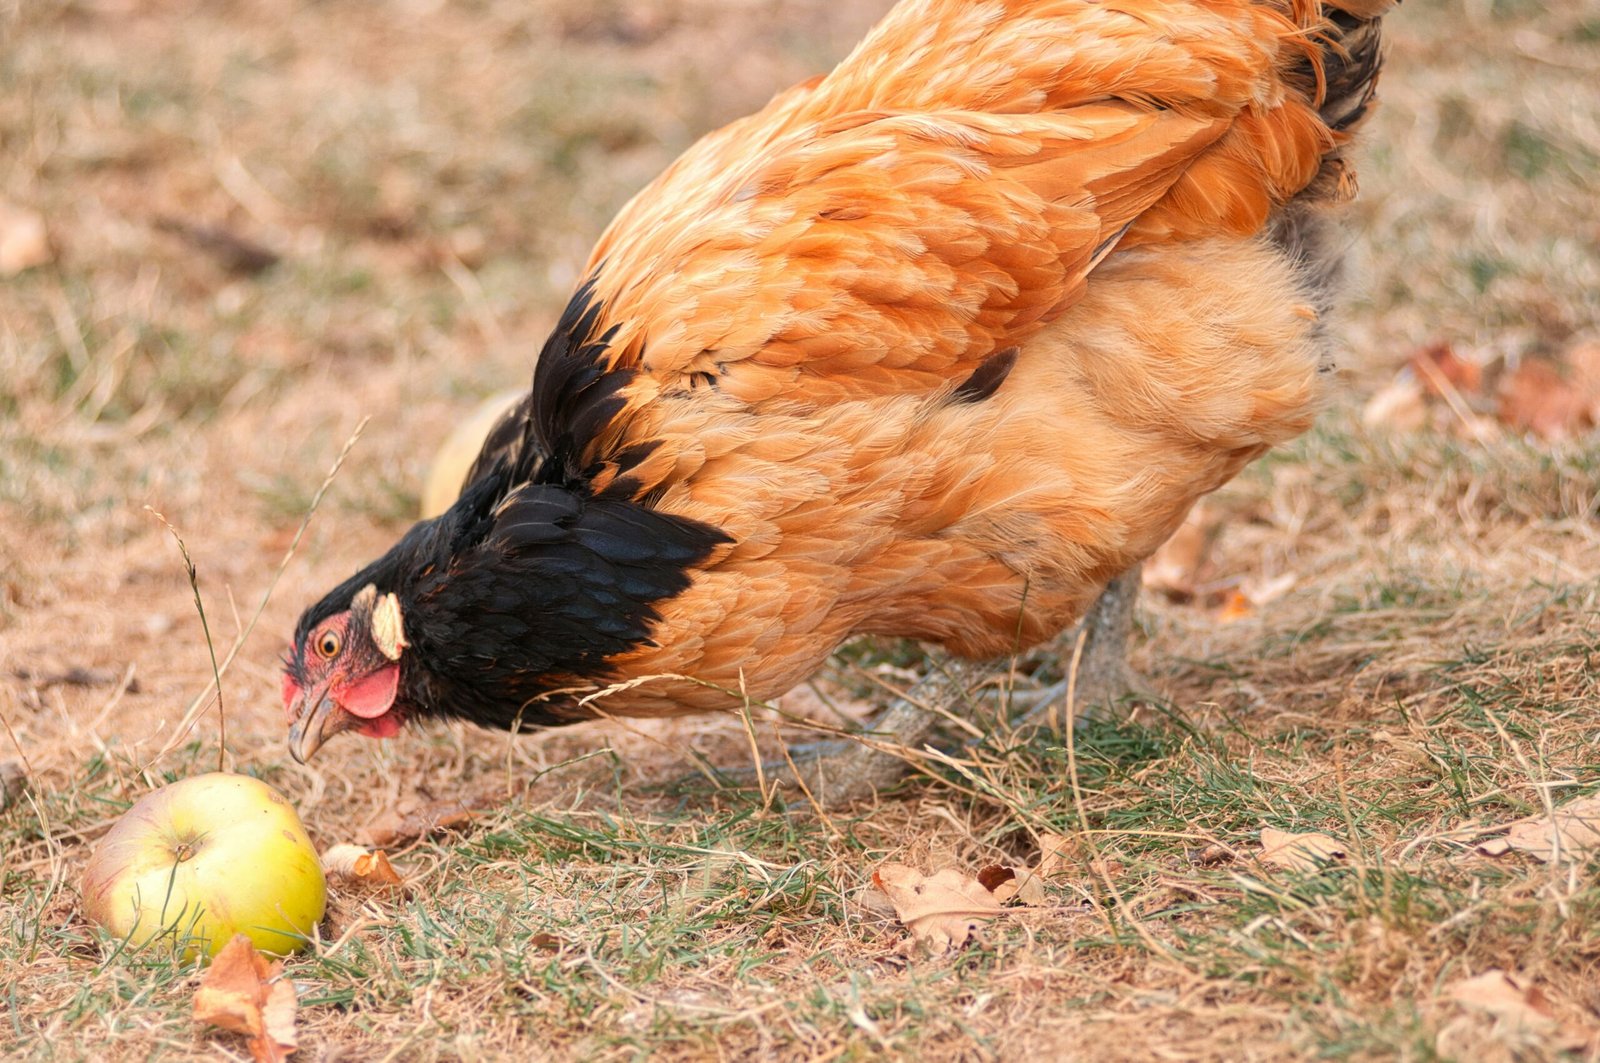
x=558, y=585
x=1351, y=57
x=533, y=582
x=576, y=393
x=506, y=441
x=987, y=378
x=519, y=590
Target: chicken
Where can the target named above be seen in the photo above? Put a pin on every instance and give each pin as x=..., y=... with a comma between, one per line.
x=938, y=346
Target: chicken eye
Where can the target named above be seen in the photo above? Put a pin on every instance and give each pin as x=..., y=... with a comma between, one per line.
x=328, y=644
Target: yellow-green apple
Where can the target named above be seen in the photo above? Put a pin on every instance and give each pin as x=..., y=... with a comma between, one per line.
x=203, y=859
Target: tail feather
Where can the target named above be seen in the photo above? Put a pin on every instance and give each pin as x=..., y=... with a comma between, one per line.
x=1340, y=74
x=1343, y=67
x=1352, y=58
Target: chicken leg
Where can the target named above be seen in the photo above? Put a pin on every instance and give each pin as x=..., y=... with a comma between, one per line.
x=1102, y=680
x=842, y=771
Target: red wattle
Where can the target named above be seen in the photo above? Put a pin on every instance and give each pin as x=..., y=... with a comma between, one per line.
x=385, y=726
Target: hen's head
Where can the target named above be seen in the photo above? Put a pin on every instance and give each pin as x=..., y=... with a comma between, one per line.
x=343, y=672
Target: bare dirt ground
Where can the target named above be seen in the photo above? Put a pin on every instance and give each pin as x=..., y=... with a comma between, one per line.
x=268, y=219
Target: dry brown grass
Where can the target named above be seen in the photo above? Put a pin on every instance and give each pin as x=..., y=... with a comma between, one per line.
x=431, y=175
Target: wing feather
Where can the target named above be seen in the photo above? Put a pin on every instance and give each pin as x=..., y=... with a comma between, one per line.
x=938, y=198
x=914, y=244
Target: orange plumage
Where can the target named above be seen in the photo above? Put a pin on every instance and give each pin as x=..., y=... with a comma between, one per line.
x=811, y=320
x=1087, y=182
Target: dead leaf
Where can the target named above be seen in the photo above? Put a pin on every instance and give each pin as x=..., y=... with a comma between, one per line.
x=943, y=909
x=277, y=1021
x=1574, y=829
x=822, y=700
x=1024, y=883
x=1210, y=855
x=1300, y=852
x=1054, y=852
x=1584, y=362
x=1171, y=569
x=1025, y=886
x=1397, y=407
x=362, y=867
x=24, y=243
x=1504, y=997
x=417, y=819
x=242, y=993
x=996, y=877
x=1518, y=1006
x=1237, y=607
x=875, y=904
x=1439, y=369
x=1536, y=398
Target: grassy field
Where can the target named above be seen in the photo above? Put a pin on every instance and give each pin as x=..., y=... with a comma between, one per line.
x=267, y=219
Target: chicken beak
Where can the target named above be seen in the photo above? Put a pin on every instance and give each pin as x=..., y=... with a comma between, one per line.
x=315, y=725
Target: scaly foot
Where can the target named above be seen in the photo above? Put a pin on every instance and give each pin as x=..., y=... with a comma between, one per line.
x=1102, y=682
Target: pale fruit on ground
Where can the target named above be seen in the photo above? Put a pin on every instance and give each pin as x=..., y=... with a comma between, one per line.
x=205, y=858
x=457, y=453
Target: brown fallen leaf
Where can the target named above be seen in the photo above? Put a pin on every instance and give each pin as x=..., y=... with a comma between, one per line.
x=872, y=903
x=1504, y=997
x=1571, y=834
x=1210, y=855
x=1253, y=593
x=1583, y=360
x=242, y=993
x=544, y=942
x=1439, y=369
x=1237, y=607
x=822, y=700
x=943, y=909
x=1300, y=852
x=1519, y=1005
x=1024, y=883
x=1171, y=569
x=1536, y=398
x=362, y=867
x=24, y=243
x=416, y=819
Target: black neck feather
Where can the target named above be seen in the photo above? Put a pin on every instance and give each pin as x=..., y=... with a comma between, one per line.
x=533, y=582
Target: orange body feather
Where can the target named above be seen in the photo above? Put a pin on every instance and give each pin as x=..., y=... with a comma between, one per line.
x=1092, y=184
